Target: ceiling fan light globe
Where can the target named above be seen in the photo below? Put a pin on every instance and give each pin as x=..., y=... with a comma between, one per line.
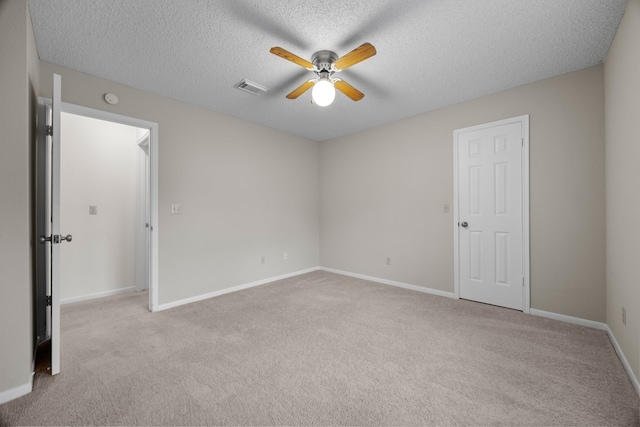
x=323, y=93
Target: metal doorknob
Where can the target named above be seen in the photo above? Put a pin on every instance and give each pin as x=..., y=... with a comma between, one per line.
x=55, y=239
x=464, y=224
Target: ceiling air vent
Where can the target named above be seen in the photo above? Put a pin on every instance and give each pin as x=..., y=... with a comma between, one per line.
x=251, y=87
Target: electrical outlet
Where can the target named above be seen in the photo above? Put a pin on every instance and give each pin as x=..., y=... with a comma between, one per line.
x=93, y=210
x=263, y=260
x=624, y=316
x=286, y=256
x=176, y=209
x=388, y=261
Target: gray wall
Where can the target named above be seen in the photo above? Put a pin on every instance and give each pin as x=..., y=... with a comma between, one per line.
x=622, y=112
x=383, y=192
x=247, y=191
x=19, y=88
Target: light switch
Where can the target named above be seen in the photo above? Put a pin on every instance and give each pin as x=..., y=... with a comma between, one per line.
x=93, y=210
x=176, y=209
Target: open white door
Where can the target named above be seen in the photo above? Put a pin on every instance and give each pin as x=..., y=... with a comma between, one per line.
x=55, y=224
x=55, y=239
x=48, y=228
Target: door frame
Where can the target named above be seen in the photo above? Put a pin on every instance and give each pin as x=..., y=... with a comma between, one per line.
x=80, y=110
x=142, y=214
x=524, y=120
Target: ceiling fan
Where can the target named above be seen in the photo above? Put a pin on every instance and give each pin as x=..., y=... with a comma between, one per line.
x=325, y=64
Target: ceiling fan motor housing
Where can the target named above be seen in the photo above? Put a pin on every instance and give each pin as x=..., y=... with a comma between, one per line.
x=323, y=61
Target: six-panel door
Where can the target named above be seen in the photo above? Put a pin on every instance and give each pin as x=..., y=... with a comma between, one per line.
x=490, y=202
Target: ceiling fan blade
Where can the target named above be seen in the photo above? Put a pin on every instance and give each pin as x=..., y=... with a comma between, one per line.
x=301, y=89
x=348, y=90
x=282, y=53
x=359, y=54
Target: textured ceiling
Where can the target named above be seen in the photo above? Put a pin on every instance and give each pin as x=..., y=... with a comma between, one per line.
x=431, y=53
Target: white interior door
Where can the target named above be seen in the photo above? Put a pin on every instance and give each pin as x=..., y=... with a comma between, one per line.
x=55, y=239
x=48, y=228
x=492, y=263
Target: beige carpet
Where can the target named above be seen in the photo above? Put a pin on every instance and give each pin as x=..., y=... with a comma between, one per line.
x=323, y=349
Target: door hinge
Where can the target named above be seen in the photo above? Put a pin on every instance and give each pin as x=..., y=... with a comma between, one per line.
x=49, y=300
x=523, y=282
x=49, y=130
x=522, y=140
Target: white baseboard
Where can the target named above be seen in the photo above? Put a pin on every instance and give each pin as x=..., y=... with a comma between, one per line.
x=16, y=392
x=391, y=283
x=623, y=359
x=233, y=289
x=97, y=295
x=595, y=325
x=569, y=319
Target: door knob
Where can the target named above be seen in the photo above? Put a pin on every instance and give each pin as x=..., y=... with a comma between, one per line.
x=56, y=238
x=464, y=224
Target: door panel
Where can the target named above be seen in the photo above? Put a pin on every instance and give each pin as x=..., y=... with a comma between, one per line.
x=490, y=200
x=502, y=258
x=475, y=255
x=55, y=224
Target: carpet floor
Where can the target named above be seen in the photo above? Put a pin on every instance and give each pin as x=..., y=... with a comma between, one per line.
x=324, y=349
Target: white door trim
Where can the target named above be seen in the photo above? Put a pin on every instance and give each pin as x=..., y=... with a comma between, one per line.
x=153, y=175
x=142, y=215
x=524, y=120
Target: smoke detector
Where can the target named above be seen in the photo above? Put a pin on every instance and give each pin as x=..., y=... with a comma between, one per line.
x=111, y=98
x=251, y=87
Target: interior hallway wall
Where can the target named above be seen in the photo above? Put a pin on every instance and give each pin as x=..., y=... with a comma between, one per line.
x=383, y=192
x=247, y=191
x=19, y=68
x=622, y=112
x=99, y=166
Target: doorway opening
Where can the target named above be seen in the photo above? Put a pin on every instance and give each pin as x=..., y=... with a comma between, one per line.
x=104, y=202
x=146, y=200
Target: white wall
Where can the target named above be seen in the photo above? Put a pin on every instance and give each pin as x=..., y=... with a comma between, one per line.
x=383, y=192
x=622, y=112
x=99, y=162
x=247, y=191
x=19, y=86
